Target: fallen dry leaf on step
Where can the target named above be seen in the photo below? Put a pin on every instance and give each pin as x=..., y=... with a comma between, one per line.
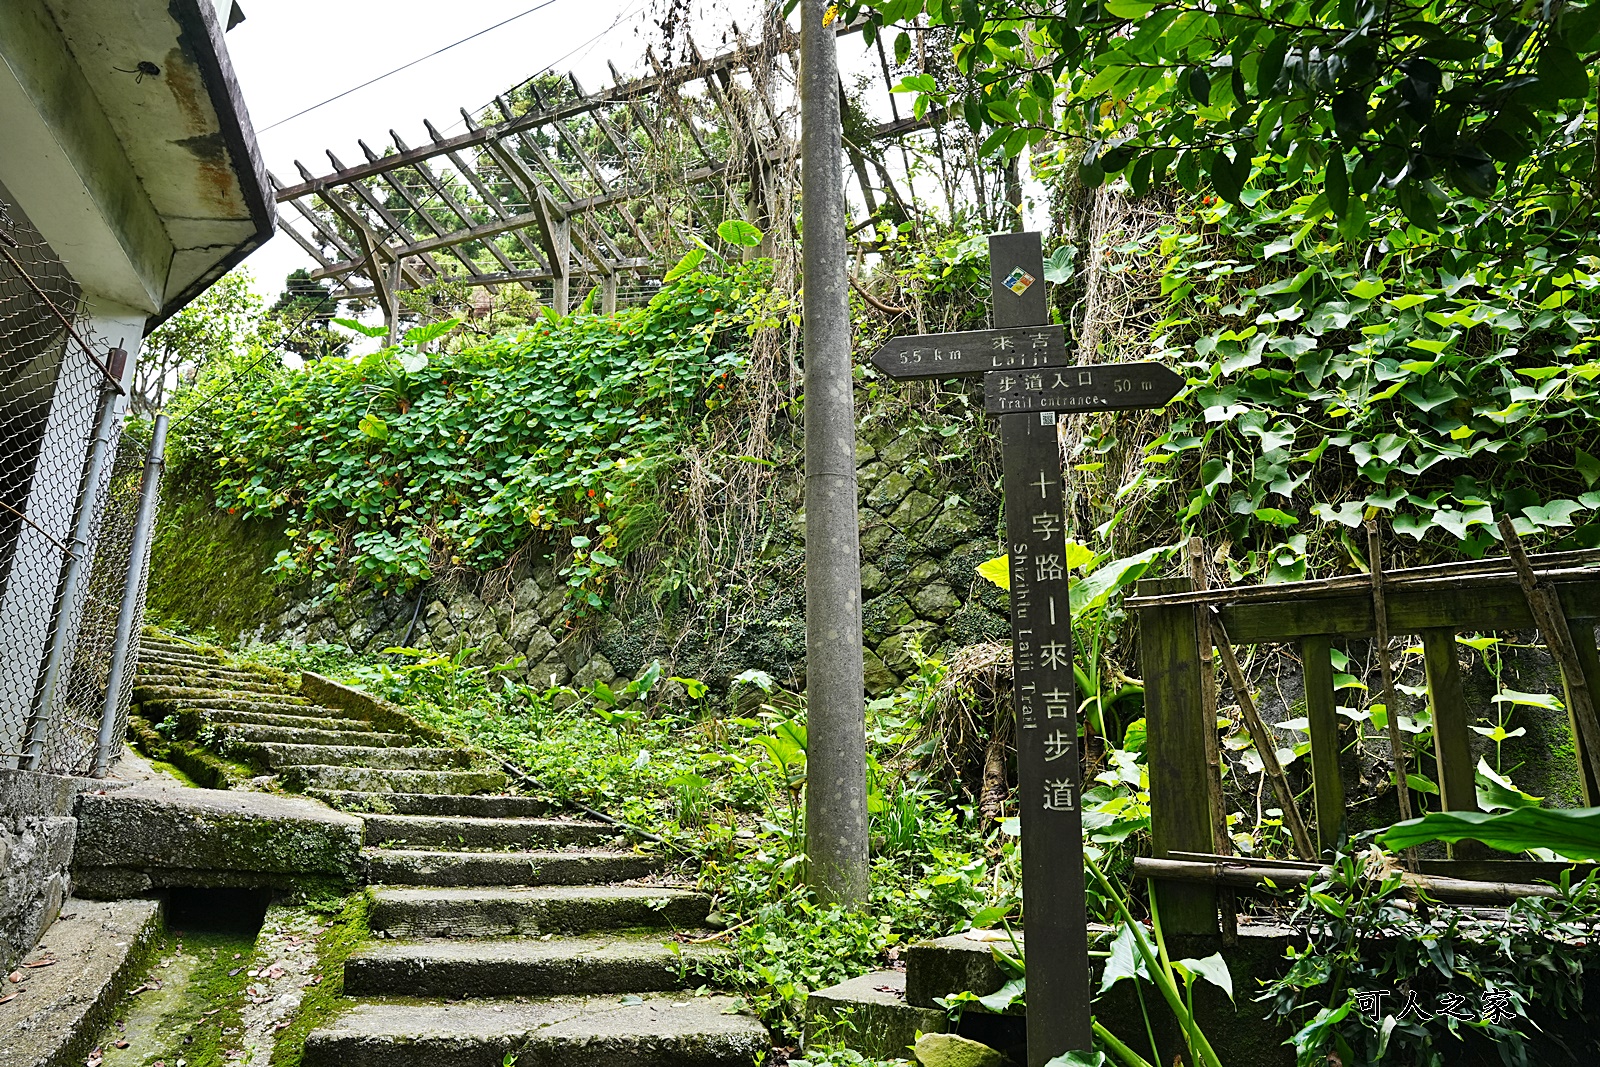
x=15, y=976
x=9, y=997
x=41, y=963
x=235, y=972
x=119, y=1044
x=209, y=1014
x=276, y=972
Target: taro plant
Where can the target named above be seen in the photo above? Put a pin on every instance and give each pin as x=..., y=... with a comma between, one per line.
x=1134, y=954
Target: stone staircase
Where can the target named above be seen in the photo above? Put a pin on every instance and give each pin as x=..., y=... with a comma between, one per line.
x=504, y=933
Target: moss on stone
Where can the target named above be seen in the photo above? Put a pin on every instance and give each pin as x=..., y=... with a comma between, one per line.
x=208, y=568
x=195, y=1009
x=343, y=935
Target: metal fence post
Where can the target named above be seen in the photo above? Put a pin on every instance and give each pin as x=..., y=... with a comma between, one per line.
x=111, y=711
x=77, y=560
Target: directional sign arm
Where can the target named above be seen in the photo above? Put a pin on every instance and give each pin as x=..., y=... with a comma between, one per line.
x=1096, y=387
x=971, y=352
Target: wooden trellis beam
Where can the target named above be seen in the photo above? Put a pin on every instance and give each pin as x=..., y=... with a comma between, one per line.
x=455, y=206
x=573, y=210
x=626, y=90
x=489, y=197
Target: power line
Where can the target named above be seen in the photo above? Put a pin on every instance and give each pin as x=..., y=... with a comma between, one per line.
x=548, y=67
x=408, y=66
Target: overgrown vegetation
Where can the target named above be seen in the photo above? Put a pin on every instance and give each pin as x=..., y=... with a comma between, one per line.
x=1365, y=234
x=1384, y=979
x=401, y=465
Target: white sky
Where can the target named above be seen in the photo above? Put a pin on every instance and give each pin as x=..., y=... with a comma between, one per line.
x=292, y=54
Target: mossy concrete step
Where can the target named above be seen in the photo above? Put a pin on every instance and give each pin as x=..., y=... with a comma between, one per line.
x=486, y=912
x=661, y=1030
x=619, y=963
x=278, y=755
x=306, y=735
x=158, y=647
x=501, y=806
x=168, y=680
x=198, y=718
x=375, y=780
x=416, y=867
x=215, y=697
x=196, y=661
x=870, y=1015
x=444, y=832
x=160, y=665
x=200, y=664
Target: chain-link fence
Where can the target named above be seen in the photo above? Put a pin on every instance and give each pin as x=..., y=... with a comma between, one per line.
x=69, y=489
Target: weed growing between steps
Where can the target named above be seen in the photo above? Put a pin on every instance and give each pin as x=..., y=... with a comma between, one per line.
x=724, y=787
x=217, y=999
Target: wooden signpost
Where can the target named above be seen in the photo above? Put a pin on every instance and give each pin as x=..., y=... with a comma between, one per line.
x=1027, y=380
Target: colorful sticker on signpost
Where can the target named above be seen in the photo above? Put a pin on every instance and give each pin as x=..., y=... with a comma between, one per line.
x=1019, y=280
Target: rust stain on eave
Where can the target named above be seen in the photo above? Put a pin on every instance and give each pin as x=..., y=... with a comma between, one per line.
x=218, y=185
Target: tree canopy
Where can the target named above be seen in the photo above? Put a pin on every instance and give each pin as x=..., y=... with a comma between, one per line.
x=1379, y=99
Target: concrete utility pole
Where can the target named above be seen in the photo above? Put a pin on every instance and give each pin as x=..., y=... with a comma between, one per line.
x=836, y=791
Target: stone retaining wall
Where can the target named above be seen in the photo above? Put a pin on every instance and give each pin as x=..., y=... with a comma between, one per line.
x=37, y=832
x=926, y=523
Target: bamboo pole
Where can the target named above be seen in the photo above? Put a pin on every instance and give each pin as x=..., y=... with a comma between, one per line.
x=1380, y=614
x=1255, y=874
x=1264, y=746
x=1227, y=904
x=1545, y=604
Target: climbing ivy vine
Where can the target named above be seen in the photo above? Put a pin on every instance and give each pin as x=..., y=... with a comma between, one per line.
x=393, y=466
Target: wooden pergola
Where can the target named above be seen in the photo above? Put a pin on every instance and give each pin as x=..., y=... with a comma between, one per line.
x=567, y=190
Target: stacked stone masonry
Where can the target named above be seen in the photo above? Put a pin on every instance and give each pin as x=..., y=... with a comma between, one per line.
x=924, y=530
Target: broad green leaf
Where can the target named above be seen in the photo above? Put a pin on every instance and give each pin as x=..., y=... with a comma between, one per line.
x=1556, y=513
x=1589, y=467
x=1058, y=268
x=1124, y=961
x=1213, y=969
x=365, y=331
x=1570, y=832
x=1095, y=590
x=1078, y=555
x=997, y=570
x=421, y=335
x=686, y=265
x=1130, y=9
x=739, y=232
x=1496, y=793
x=1076, y=1059
x=1548, y=701
x=374, y=427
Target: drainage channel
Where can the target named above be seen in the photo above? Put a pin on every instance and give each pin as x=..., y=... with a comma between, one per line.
x=228, y=979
